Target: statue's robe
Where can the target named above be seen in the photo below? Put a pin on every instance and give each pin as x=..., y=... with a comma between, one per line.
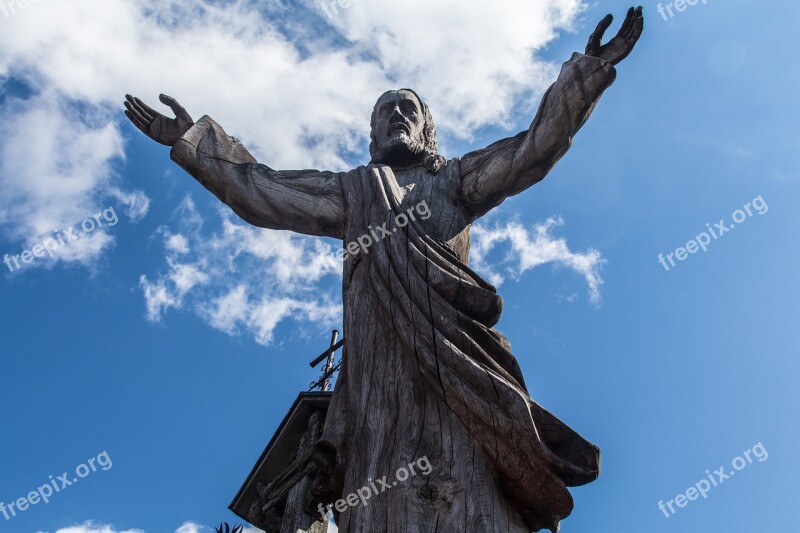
x=424, y=373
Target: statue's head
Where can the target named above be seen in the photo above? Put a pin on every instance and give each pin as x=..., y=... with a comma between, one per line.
x=403, y=133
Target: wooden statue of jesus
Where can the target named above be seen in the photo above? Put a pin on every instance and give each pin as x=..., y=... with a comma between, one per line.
x=424, y=374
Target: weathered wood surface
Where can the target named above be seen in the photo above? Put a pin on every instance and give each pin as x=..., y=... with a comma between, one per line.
x=295, y=516
x=424, y=373
x=276, y=496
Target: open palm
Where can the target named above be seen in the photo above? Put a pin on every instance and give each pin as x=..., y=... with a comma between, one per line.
x=158, y=127
x=620, y=46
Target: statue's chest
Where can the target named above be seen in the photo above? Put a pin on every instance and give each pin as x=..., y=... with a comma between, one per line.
x=379, y=194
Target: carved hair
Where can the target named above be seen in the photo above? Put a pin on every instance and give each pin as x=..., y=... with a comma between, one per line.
x=432, y=161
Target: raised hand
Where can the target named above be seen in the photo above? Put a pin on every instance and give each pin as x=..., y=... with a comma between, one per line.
x=620, y=46
x=155, y=125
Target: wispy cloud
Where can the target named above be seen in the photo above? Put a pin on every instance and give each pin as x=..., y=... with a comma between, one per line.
x=530, y=249
x=242, y=279
x=294, y=85
x=57, y=169
x=93, y=527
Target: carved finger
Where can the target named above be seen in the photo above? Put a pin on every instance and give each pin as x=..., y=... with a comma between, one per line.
x=148, y=110
x=632, y=38
x=134, y=104
x=637, y=21
x=638, y=25
x=135, y=112
x=596, y=38
x=139, y=116
x=130, y=103
x=177, y=108
x=149, y=115
x=627, y=24
x=637, y=32
x=137, y=122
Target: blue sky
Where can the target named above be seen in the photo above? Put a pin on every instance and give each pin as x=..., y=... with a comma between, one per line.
x=176, y=339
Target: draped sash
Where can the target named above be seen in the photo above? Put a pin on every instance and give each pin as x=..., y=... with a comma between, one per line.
x=444, y=313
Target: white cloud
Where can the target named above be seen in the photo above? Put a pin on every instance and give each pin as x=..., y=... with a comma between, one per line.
x=56, y=159
x=241, y=278
x=530, y=249
x=190, y=527
x=470, y=71
x=92, y=527
x=294, y=85
x=187, y=527
x=298, y=90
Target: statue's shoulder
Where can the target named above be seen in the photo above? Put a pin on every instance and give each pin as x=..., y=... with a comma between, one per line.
x=450, y=171
x=364, y=169
x=452, y=166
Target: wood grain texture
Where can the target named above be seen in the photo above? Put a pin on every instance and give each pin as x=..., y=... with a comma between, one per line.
x=282, y=504
x=424, y=372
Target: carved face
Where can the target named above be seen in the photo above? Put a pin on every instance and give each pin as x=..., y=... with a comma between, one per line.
x=398, y=129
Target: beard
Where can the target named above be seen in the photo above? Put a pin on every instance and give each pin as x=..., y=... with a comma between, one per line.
x=399, y=150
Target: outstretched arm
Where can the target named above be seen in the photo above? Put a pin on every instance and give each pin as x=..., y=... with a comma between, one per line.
x=510, y=166
x=305, y=201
